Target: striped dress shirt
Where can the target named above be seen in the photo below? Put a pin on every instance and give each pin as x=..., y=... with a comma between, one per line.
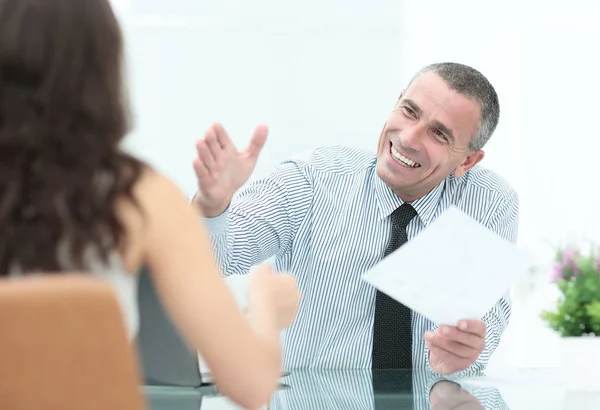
x=324, y=216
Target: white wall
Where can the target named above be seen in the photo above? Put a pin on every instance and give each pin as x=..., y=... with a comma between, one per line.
x=326, y=72
x=317, y=72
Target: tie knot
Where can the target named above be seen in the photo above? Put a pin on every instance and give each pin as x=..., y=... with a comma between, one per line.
x=403, y=215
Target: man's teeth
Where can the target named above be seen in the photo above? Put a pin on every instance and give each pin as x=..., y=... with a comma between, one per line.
x=403, y=160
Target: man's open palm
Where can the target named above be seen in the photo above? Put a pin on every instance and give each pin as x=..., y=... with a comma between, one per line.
x=222, y=169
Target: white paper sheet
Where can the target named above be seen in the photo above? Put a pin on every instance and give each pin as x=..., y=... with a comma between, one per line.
x=454, y=269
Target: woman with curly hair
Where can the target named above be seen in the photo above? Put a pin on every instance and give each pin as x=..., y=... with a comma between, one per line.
x=72, y=200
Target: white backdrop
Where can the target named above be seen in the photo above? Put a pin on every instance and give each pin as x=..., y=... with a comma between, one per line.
x=314, y=72
x=327, y=72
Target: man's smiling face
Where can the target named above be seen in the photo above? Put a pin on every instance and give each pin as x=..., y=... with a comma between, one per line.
x=426, y=137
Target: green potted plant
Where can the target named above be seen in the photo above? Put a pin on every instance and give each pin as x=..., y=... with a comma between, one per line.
x=576, y=316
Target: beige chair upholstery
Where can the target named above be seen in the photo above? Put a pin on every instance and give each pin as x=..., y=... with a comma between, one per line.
x=63, y=346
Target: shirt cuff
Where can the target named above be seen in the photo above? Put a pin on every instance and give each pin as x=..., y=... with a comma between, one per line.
x=423, y=382
x=218, y=224
x=215, y=225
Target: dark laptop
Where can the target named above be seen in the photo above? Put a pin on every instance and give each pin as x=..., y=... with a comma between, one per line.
x=165, y=357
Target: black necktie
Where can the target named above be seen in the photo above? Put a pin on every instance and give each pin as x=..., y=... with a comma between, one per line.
x=392, y=328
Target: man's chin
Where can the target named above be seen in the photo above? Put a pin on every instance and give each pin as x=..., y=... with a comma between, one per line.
x=395, y=179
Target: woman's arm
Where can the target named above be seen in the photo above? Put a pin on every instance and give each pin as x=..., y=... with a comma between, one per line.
x=244, y=358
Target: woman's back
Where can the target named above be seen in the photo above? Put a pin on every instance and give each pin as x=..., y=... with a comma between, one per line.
x=125, y=286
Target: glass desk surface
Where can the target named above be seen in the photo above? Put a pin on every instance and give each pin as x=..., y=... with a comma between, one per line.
x=383, y=390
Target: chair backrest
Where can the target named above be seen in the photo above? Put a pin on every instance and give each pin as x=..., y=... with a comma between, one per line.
x=63, y=345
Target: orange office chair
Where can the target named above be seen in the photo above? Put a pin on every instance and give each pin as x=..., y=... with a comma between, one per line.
x=63, y=346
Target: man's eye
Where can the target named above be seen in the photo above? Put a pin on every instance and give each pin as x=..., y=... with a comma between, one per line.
x=440, y=134
x=408, y=111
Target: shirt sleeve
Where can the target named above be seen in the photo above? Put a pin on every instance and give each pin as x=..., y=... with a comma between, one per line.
x=262, y=219
x=504, y=223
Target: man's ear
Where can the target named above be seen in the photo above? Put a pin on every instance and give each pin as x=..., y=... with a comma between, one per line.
x=472, y=159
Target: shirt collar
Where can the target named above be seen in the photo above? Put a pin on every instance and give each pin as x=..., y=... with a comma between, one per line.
x=388, y=201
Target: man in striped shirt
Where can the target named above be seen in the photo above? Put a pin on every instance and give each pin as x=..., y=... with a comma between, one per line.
x=325, y=217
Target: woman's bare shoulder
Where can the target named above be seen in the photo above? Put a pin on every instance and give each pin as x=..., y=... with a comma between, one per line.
x=160, y=206
x=155, y=191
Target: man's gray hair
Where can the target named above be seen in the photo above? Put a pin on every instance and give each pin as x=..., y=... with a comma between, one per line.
x=472, y=84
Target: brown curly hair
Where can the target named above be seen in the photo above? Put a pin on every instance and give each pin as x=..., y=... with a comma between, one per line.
x=62, y=117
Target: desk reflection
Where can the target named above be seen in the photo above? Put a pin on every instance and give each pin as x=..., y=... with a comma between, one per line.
x=380, y=390
x=325, y=389
x=344, y=390
x=447, y=395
